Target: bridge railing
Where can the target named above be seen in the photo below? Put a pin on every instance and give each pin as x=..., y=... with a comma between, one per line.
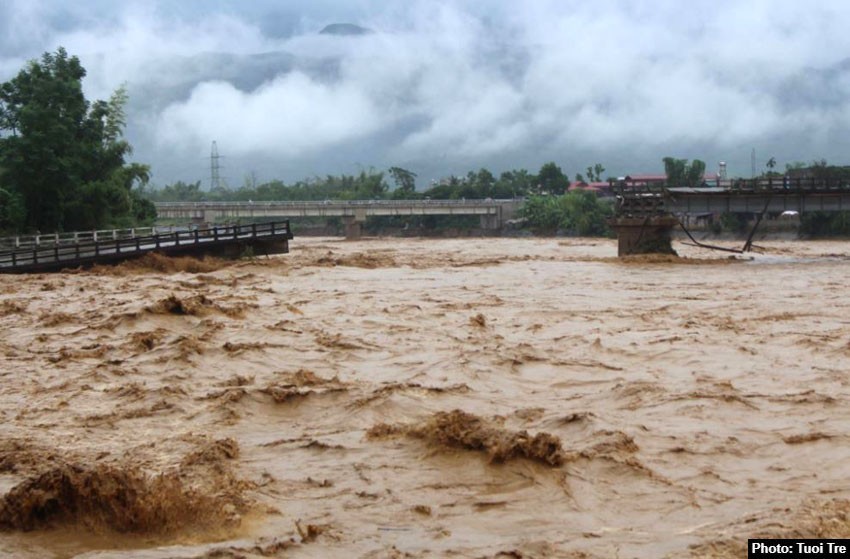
x=760, y=184
x=59, y=239
x=319, y=203
x=796, y=184
x=91, y=249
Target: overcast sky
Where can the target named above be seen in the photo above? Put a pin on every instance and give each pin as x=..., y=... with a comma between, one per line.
x=445, y=87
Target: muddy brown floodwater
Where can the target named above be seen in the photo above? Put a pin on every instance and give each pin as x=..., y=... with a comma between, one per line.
x=419, y=398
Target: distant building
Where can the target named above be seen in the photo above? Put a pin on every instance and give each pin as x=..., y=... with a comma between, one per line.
x=633, y=181
x=712, y=179
x=601, y=189
x=644, y=181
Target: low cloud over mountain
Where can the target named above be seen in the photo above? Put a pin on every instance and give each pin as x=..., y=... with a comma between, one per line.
x=445, y=87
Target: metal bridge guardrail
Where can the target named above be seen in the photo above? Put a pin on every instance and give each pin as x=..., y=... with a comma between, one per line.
x=778, y=184
x=91, y=250
x=762, y=184
x=51, y=239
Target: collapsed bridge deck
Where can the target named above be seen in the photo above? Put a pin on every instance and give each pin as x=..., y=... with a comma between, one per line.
x=72, y=251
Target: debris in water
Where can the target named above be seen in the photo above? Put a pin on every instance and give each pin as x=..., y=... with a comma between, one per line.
x=309, y=532
x=465, y=430
x=173, y=304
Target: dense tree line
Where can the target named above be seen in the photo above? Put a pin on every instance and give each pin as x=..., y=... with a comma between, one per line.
x=365, y=186
x=396, y=183
x=62, y=158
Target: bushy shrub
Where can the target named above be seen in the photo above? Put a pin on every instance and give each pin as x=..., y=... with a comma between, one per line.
x=578, y=213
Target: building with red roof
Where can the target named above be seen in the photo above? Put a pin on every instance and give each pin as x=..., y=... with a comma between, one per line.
x=598, y=188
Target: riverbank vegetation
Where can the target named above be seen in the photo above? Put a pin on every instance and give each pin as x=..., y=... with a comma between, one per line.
x=63, y=158
x=578, y=213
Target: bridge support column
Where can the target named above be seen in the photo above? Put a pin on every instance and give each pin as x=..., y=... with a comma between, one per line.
x=353, y=229
x=490, y=221
x=200, y=217
x=644, y=235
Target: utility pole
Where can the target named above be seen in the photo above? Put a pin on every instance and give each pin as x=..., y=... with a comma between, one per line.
x=215, y=177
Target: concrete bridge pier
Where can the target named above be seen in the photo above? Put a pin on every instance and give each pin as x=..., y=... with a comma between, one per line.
x=490, y=221
x=353, y=227
x=199, y=217
x=644, y=235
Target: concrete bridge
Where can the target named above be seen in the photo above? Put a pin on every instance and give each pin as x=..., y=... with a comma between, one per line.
x=492, y=213
x=713, y=200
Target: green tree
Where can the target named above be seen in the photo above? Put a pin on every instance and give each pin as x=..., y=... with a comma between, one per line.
x=579, y=213
x=542, y=213
x=552, y=179
x=368, y=186
x=514, y=183
x=405, y=181
x=771, y=165
x=63, y=157
x=11, y=211
x=483, y=182
x=445, y=190
x=598, y=169
x=681, y=173
x=594, y=173
x=179, y=192
x=825, y=224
